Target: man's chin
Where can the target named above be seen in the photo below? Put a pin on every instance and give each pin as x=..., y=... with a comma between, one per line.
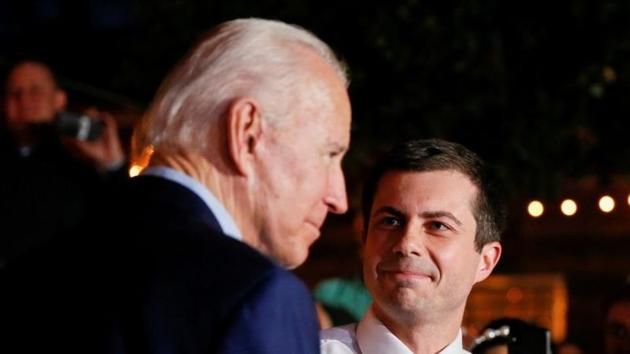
x=295, y=260
x=313, y=232
x=294, y=249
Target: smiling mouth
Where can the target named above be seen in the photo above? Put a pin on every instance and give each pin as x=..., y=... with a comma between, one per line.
x=407, y=274
x=404, y=275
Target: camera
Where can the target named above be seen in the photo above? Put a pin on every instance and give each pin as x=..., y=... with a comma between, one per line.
x=79, y=126
x=513, y=336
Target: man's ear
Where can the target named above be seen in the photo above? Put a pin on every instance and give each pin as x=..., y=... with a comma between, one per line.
x=490, y=254
x=244, y=130
x=60, y=100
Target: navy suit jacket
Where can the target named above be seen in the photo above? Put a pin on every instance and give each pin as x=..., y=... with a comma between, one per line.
x=163, y=278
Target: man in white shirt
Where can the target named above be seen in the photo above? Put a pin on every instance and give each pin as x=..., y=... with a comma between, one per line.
x=432, y=223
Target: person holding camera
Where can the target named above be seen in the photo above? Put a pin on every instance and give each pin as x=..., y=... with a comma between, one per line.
x=49, y=178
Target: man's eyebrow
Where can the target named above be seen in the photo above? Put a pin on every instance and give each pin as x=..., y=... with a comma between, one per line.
x=441, y=214
x=389, y=210
x=337, y=147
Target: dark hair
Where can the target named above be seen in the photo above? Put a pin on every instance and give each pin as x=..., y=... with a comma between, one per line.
x=439, y=155
x=33, y=61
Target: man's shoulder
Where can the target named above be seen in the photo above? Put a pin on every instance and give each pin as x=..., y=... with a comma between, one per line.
x=252, y=274
x=339, y=340
x=171, y=234
x=276, y=315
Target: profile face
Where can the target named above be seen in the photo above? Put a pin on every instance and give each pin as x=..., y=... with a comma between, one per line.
x=419, y=254
x=301, y=175
x=31, y=95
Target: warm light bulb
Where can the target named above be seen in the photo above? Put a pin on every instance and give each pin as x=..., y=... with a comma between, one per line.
x=606, y=204
x=135, y=170
x=535, y=208
x=568, y=207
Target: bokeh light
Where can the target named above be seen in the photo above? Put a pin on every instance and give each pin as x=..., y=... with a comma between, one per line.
x=535, y=208
x=568, y=207
x=606, y=204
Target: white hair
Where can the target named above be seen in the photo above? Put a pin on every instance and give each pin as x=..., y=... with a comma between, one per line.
x=245, y=57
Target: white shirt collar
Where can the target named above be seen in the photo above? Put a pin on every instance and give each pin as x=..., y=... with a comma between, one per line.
x=374, y=338
x=220, y=213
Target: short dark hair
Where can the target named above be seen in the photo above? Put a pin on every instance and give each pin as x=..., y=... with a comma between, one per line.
x=33, y=61
x=439, y=155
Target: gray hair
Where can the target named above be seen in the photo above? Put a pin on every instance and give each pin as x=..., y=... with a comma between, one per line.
x=245, y=57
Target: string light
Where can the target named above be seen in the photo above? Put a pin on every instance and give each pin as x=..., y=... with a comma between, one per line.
x=568, y=207
x=606, y=204
x=536, y=208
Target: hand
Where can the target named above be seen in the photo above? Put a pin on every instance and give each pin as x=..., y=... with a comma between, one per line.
x=106, y=151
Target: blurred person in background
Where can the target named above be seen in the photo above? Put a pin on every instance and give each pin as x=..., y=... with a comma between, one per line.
x=32, y=97
x=617, y=322
x=49, y=180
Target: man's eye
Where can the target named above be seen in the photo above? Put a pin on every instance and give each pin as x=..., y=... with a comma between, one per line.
x=390, y=221
x=438, y=226
x=334, y=154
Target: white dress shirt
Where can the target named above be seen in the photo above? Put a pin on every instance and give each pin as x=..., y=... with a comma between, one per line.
x=370, y=336
x=223, y=217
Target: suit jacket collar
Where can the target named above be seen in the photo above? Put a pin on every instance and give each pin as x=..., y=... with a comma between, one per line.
x=222, y=216
x=161, y=191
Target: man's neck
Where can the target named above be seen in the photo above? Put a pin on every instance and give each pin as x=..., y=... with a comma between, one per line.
x=423, y=334
x=227, y=189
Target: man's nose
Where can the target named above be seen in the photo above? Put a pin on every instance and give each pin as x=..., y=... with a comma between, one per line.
x=410, y=240
x=336, y=198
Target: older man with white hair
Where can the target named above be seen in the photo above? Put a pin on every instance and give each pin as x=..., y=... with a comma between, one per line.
x=248, y=134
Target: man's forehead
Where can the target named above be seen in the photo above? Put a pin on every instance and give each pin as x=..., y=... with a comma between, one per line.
x=428, y=178
x=409, y=183
x=31, y=73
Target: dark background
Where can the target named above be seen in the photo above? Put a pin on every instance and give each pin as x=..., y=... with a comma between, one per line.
x=539, y=89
